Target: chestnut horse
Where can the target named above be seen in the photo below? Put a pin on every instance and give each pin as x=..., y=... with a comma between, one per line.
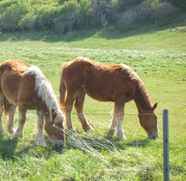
x=105, y=82
x=27, y=88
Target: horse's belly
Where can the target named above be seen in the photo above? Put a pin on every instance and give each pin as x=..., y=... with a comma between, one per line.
x=101, y=94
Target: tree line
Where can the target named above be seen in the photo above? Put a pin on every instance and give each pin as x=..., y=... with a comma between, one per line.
x=62, y=16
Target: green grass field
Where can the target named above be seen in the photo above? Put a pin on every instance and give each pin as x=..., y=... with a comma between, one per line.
x=159, y=57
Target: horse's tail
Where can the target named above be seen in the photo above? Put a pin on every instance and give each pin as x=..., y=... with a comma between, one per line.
x=4, y=67
x=4, y=104
x=63, y=91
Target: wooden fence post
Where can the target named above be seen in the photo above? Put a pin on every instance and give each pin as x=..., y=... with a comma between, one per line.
x=165, y=145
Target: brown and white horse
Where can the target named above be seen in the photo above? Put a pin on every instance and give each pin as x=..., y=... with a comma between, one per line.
x=105, y=82
x=27, y=88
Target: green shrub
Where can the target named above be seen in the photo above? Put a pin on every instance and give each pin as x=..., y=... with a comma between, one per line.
x=45, y=18
x=126, y=4
x=62, y=16
x=135, y=16
x=72, y=16
x=67, y=17
x=11, y=15
x=28, y=22
x=101, y=11
x=179, y=3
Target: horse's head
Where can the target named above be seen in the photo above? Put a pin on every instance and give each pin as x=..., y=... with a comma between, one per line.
x=148, y=121
x=55, y=129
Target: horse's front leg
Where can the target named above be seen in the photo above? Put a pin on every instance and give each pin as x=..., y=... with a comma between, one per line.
x=11, y=112
x=22, y=119
x=40, y=139
x=113, y=124
x=119, y=116
x=117, y=121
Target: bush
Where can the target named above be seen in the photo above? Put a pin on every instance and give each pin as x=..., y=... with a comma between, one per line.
x=44, y=19
x=102, y=12
x=148, y=12
x=72, y=16
x=164, y=13
x=28, y=22
x=134, y=16
x=126, y=4
x=12, y=14
x=62, y=16
x=179, y=3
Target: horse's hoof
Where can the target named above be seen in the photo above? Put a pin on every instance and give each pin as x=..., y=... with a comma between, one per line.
x=89, y=129
x=1, y=131
x=121, y=136
x=11, y=131
x=110, y=133
x=40, y=141
x=17, y=134
x=57, y=144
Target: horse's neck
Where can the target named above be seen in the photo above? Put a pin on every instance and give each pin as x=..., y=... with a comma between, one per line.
x=142, y=99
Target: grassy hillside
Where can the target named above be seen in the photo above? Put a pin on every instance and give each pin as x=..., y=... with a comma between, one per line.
x=158, y=56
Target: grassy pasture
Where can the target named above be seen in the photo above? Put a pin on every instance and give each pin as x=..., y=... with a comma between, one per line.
x=159, y=57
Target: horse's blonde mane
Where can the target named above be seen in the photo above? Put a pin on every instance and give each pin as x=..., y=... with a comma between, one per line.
x=44, y=89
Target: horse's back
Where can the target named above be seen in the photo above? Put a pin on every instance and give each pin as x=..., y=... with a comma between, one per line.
x=74, y=72
x=104, y=82
x=15, y=86
x=14, y=65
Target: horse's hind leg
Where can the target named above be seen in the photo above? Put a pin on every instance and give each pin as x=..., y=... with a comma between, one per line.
x=22, y=119
x=40, y=139
x=1, y=124
x=1, y=113
x=79, y=108
x=68, y=108
x=11, y=112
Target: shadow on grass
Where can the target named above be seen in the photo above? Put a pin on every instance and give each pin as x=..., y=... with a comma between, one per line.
x=47, y=36
x=35, y=151
x=83, y=143
x=124, y=144
x=7, y=147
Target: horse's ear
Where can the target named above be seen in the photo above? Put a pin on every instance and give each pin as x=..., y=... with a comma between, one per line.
x=155, y=105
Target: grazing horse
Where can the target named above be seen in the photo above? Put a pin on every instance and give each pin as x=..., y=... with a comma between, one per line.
x=105, y=82
x=27, y=88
